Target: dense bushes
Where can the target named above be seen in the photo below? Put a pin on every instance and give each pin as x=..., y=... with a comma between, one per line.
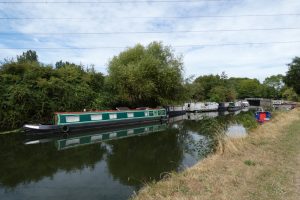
x=31, y=91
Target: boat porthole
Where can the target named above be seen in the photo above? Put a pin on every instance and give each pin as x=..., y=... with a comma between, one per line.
x=65, y=129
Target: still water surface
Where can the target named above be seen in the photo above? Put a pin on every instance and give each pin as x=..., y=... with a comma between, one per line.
x=112, y=164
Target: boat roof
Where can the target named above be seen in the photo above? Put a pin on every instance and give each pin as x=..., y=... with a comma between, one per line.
x=97, y=111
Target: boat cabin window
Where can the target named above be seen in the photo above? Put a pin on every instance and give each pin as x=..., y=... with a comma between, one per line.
x=72, y=119
x=130, y=131
x=96, y=117
x=113, y=135
x=72, y=142
x=96, y=138
x=129, y=114
x=112, y=116
x=146, y=114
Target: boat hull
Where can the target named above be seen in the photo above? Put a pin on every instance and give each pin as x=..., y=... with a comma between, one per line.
x=73, y=127
x=234, y=108
x=173, y=111
x=176, y=113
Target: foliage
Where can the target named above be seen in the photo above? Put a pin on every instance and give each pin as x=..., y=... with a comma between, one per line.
x=293, y=75
x=139, y=76
x=207, y=83
x=290, y=94
x=28, y=56
x=213, y=88
x=31, y=91
x=274, y=85
x=149, y=75
x=219, y=88
x=247, y=87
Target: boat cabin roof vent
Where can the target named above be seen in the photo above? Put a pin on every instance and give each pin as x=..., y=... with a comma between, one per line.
x=122, y=108
x=142, y=108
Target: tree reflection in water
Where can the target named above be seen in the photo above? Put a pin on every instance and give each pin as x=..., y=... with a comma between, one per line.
x=137, y=160
x=21, y=164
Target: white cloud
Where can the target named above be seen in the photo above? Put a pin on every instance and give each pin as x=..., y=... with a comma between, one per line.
x=256, y=61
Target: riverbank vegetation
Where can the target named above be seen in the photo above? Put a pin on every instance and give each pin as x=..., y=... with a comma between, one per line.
x=263, y=165
x=152, y=75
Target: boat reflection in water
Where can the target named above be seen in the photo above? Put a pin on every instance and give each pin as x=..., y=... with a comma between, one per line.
x=201, y=116
x=204, y=115
x=97, y=136
x=110, y=135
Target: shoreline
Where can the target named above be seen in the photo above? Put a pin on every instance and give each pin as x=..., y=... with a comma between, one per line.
x=262, y=165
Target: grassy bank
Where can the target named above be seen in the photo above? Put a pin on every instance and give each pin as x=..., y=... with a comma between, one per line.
x=261, y=166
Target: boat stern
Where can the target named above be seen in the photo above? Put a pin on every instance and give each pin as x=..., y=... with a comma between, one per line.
x=39, y=128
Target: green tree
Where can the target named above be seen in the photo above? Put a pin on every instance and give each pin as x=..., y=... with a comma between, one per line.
x=213, y=88
x=146, y=76
x=28, y=56
x=231, y=94
x=274, y=85
x=31, y=91
x=246, y=87
x=197, y=92
x=290, y=94
x=218, y=94
x=204, y=84
x=292, y=78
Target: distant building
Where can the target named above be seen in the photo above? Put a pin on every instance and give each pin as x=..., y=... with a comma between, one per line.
x=261, y=102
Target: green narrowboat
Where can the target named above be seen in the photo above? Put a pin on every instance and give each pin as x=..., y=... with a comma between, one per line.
x=71, y=121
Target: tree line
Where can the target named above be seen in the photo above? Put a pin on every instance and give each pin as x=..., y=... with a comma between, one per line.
x=151, y=75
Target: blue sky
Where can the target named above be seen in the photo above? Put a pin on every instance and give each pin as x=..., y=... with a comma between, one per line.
x=254, y=61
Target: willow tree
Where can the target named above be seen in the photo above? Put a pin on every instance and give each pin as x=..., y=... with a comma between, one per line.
x=147, y=75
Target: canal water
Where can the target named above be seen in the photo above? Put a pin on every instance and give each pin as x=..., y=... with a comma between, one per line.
x=110, y=164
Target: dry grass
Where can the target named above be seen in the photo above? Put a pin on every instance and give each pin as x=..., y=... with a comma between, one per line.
x=260, y=166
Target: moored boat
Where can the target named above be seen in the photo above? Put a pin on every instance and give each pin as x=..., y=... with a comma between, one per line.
x=65, y=122
x=201, y=107
x=223, y=106
x=173, y=111
x=234, y=106
x=245, y=104
x=262, y=116
x=210, y=106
